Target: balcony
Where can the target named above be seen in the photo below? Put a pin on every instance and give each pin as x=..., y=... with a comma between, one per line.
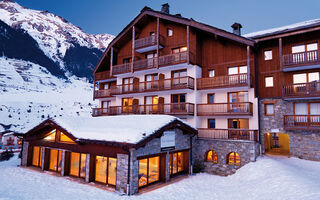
x=238, y=80
x=225, y=109
x=301, y=61
x=171, y=59
x=302, y=122
x=301, y=90
x=148, y=43
x=103, y=93
x=169, y=109
x=228, y=134
x=102, y=75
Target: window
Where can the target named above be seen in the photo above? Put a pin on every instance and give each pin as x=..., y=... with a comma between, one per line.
x=176, y=163
x=127, y=84
x=268, y=55
x=151, y=104
x=211, y=73
x=37, y=156
x=151, y=81
x=238, y=124
x=211, y=156
x=78, y=164
x=300, y=57
x=127, y=60
x=58, y=136
x=105, y=105
x=152, y=33
x=149, y=170
x=178, y=78
x=127, y=104
x=210, y=98
x=211, y=123
x=105, y=170
x=64, y=138
x=305, y=77
x=170, y=32
x=55, y=162
x=179, y=50
x=307, y=109
x=269, y=81
x=269, y=109
x=237, y=70
x=233, y=159
x=51, y=137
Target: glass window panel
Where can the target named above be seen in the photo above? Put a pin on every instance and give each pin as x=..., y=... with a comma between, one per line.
x=101, y=169
x=312, y=47
x=212, y=123
x=175, y=98
x=298, y=49
x=40, y=157
x=243, y=69
x=170, y=32
x=83, y=165
x=174, y=163
x=53, y=159
x=112, y=171
x=183, y=73
x=301, y=108
x=182, y=98
x=212, y=156
x=243, y=97
x=143, y=172
x=59, y=160
x=183, y=49
x=268, y=55
x=106, y=86
x=313, y=76
x=153, y=169
x=314, y=108
x=234, y=159
x=180, y=162
x=64, y=138
x=269, y=109
x=299, y=78
x=232, y=70
x=74, y=164
x=35, y=157
x=211, y=98
x=211, y=73
x=51, y=137
x=269, y=81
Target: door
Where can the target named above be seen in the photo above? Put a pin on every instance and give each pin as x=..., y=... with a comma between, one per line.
x=127, y=85
x=237, y=74
x=277, y=143
x=179, y=79
x=178, y=103
x=152, y=60
x=236, y=100
x=178, y=163
x=151, y=82
x=105, y=106
x=242, y=125
x=151, y=103
x=149, y=171
x=127, y=105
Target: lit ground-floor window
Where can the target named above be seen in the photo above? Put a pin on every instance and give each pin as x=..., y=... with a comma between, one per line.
x=78, y=164
x=105, y=171
x=149, y=170
x=176, y=163
x=212, y=156
x=233, y=158
x=37, y=156
x=55, y=160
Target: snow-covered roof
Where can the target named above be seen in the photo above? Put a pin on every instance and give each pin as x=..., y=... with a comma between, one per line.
x=123, y=129
x=292, y=27
x=8, y=134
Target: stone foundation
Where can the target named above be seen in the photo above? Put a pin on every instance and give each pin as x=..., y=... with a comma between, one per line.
x=305, y=145
x=247, y=150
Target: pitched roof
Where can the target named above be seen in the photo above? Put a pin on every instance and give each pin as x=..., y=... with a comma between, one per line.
x=178, y=19
x=124, y=129
x=284, y=29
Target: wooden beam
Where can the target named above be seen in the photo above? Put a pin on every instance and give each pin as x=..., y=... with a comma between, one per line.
x=133, y=42
x=248, y=66
x=111, y=61
x=280, y=52
x=188, y=44
x=158, y=35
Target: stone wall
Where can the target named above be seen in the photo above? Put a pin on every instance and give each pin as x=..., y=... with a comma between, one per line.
x=122, y=173
x=182, y=142
x=24, y=158
x=247, y=150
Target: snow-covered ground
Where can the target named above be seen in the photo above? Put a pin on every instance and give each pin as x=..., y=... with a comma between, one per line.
x=268, y=178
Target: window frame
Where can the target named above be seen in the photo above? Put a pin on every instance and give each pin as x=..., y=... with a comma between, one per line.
x=214, y=123
x=208, y=98
x=264, y=54
x=265, y=81
x=265, y=109
x=213, y=153
x=169, y=32
x=234, y=160
x=211, y=70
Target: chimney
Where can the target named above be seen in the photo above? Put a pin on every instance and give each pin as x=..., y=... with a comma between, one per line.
x=165, y=8
x=236, y=28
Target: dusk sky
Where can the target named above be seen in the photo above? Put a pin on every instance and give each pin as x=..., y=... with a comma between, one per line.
x=106, y=16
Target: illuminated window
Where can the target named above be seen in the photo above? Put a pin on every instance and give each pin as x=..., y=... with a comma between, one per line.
x=37, y=156
x=149, y=170
x=170, y=32
x=269, y=81
x=268, y=55
x=179, y=50
x=212, y=156
x=211, y=73
x=64, y=138
x=233, y=159
x=52, y=136
x=176, y=163
x=55, y=161
x=105, y=170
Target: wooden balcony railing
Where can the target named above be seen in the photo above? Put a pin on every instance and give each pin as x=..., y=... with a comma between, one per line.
x=122, y=68
x=169, y=109
x=240, y=108
x=303, y=122
x=102, y=75
x=176, y=58
x=228, y=134
x=237, y=80
x=148, y=41
x=303, y=58
x=301, y=90
x=145, y=64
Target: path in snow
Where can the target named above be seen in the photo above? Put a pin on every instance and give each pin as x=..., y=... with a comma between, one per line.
x=268, y=178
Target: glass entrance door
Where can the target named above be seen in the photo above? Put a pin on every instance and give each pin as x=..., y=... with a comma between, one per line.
x=149, y=170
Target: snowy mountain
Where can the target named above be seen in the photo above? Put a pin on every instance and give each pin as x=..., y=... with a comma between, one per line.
x=45, y=65
x=49, y=40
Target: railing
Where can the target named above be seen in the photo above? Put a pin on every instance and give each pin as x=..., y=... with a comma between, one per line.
x=170, y=109
x=222, y=81
x=228, y=134
x=148, y=41
x=311, y=89
x=294, y=59
x=104, y=93
x=122, y=68
x=176, y=58
x=145, y=64
x=302, y=121
x=102, y=75
x=240, y=108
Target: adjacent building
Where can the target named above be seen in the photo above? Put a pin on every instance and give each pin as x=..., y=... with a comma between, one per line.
x=9, y=141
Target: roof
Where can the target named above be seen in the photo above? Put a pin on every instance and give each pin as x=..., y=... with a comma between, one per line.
x=125, y=129
x=284, y=29
x=181, y=20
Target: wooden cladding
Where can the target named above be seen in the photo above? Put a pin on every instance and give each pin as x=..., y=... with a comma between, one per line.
x=102, y=75
x=302, y=58
x=147, y=86
x=237, y=80
x=170, y=59
x=148, y=41
x=302, y=122
x=240, y=108
x=301, y=90
x=228, y=134
x=161, y=108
